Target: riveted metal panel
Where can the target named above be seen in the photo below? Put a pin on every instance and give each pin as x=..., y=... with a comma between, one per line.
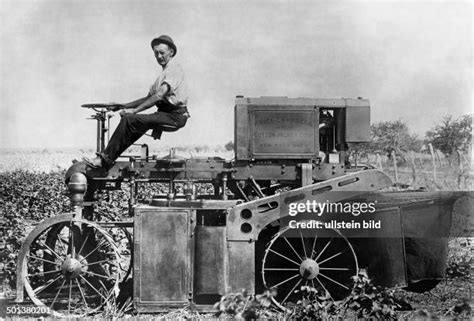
x=241, y=267
x=162, y=258
x=210, y=260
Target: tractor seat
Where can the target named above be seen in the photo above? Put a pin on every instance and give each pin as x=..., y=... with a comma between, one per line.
x=169, y=128
x=156, y=133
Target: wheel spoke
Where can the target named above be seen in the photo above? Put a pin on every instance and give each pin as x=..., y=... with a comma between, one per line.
x=322, y=251
x=304, y=247
x=103, y=286
x=331, y=257
x=41, y=289
x=40, y=259
x=289, y=279
x=322, y=285
x=109, y=292
x=82, y=294
x=71, y=237
x=52, y=251
x=291, y=291
x=280, y=269
x=93, y=288
x=279, y=254
x=97, y=262
x=95, y=249
x=314, y=246
x=334, y=281
x=293, y=249
x=99, y=275
x=62, y=242
x=56, y=296
x=70, y=293
x=43, y=273
x=83, y=243
x=334, y=269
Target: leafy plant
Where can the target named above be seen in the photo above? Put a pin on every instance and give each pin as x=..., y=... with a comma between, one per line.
x=114, y=309
x=27, y=198
x=364, y=301
x=243, y=305
x=460, y=258
x=313, y=305
x=369, y=301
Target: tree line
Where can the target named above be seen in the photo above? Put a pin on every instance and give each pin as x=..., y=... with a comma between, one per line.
x=449, y=136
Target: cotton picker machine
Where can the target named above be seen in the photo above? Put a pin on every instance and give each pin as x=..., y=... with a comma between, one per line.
x=289, y=210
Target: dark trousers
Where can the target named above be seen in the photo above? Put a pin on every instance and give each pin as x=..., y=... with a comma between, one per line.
x=134, y=126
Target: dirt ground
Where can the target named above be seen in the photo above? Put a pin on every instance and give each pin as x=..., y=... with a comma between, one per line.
x=451, y=297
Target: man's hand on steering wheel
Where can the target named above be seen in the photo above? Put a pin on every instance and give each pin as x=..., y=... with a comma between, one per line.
x=116, y=106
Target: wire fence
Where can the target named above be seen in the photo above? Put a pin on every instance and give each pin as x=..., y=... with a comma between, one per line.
x=428, y=168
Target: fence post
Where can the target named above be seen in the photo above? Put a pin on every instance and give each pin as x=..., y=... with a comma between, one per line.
x=379, y=162
x=459, y=160
x=394, y=158
x=413, y=170
x=438, y=156
x=460, y=167
x=434, y=160
x=420, y=158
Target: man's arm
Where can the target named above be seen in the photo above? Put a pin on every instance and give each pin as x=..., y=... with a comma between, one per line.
x=134, y=103
x=129, y=105
x=147, y=102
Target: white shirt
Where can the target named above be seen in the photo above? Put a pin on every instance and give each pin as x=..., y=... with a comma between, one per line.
x=173, y=75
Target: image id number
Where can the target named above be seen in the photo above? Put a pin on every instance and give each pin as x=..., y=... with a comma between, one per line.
x=27, y=310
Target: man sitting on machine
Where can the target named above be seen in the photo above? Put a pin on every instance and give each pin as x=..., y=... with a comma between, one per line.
x=168, y=93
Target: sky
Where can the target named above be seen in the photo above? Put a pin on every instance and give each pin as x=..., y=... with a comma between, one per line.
x=411, y=59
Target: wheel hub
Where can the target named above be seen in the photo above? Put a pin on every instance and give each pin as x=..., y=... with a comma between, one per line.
x=309, y=269
x=71, y=267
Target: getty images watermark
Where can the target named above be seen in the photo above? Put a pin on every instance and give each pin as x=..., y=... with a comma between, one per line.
x=337, y=210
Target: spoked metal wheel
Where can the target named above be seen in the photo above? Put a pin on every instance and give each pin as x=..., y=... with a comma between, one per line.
x=294, y=259
x=69, y=265
x=123, y=239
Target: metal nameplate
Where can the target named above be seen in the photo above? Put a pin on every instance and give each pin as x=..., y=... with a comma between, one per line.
x=276, y=132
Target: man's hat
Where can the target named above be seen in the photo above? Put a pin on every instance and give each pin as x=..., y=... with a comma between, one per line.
x=167, y=41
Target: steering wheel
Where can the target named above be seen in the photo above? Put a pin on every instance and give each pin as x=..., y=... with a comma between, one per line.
x=103, y=106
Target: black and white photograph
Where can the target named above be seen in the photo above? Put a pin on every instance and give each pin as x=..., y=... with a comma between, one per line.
x=237, y=159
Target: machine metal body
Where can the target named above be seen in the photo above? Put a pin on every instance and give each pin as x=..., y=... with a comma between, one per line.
x=194, y=247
